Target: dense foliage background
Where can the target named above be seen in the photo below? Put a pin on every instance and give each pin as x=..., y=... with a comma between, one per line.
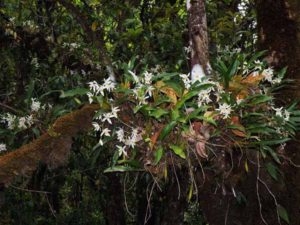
x=50, y=50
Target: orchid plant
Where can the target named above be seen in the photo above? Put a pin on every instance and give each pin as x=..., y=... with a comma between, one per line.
x=149, y=115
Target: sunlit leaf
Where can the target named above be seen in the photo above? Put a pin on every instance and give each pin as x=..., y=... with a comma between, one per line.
x=94, y=26
x=158, y=155
x=178, y=150
x=246, y=166
x=158, y=113
x=121, y=169
x=190, y=192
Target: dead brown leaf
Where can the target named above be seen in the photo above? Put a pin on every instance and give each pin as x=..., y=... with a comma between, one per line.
x=201, y=150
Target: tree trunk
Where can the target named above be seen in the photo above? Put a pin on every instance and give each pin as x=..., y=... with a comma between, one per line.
x=278, y=26
x=279, y=32
x=176, y=199
x=198, y=35
x=176, y=204
x=115, y=206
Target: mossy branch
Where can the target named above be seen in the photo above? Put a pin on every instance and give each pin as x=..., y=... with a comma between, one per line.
x=51, y=148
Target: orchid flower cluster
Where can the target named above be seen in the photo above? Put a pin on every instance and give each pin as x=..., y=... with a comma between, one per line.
x=176, y=101
x=2, y=147
x=104, y=120
x=19, y=123
x=14, y=122
x=268, y=73
x=143, y=89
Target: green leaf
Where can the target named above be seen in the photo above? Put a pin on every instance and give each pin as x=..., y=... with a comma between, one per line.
x=164, y=76
x=293, y=106
x=73, y=92
x=186, y=97
x=77, y=100
x=178, y=150
x=257, y=129
x=196, y=112
x=282, y=72
x=272, y=153
x=99, y=113
x=175, y=114
x=138, y=108
x=258, y=99
x=121, y=169
x=275, y=142
x=256, y=56
x=95, y=154
x=162, y=100
x=36, y=132
x=208, y=119
x=221, y=67
x=49, y=93
x=253, y=114
x=175, y=86
x=30, y=90
x=283, y=213
x=115, y=158
x=272, y=170
x=132, y=163
x=263, y=152
x=236, y=127
x=157, y=113
x=167, y=129
x=190, y=192
x=233, y=69
x=158, y=154
x=227, y=72
x=193, y=92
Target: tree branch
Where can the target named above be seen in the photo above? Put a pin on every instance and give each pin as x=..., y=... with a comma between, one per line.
x=51, y=148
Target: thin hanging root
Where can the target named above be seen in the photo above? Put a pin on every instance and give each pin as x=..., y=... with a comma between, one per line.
x=257, y=191
x=51, y=148
x=274, y=198
x=125, y=198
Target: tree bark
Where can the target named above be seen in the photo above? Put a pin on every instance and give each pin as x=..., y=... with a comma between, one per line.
x=115, y=205
x=176, y=199
x=176, y=193
x=279, y=32
x=198, y=34
x=278, y=26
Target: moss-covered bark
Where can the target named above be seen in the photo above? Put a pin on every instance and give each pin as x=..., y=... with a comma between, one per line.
x=51, y=148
